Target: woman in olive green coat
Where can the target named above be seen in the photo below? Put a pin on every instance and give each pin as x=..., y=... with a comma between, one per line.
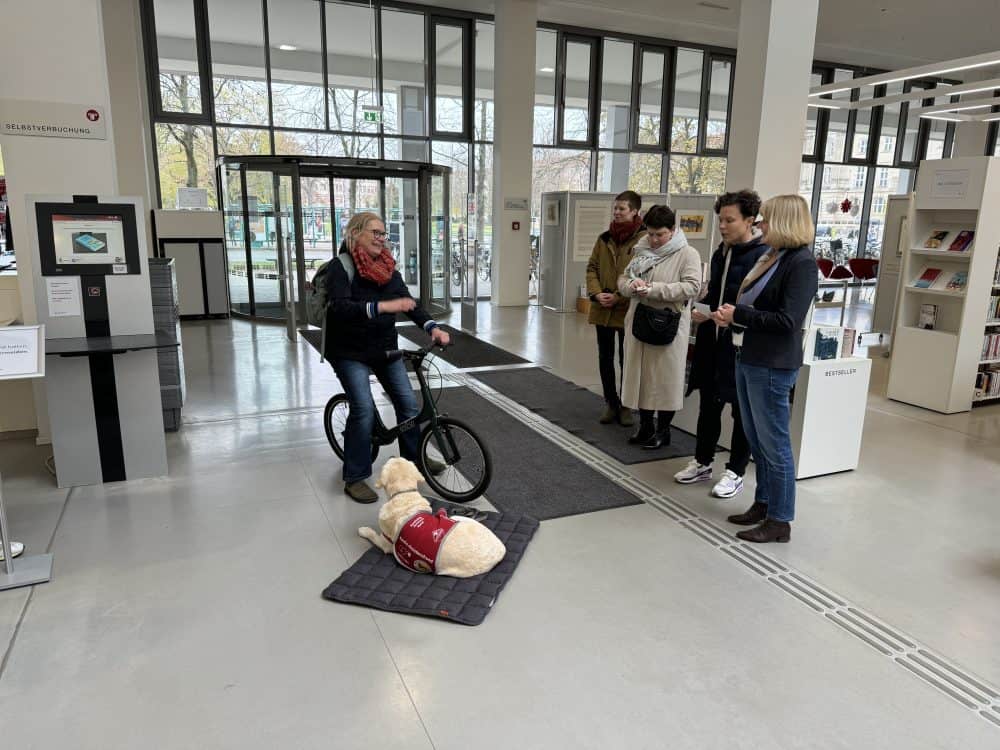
x=612, y=253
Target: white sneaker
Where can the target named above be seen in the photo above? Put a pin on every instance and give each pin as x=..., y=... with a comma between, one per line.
x=730, y=485
x=16, y=548
x=693, y=472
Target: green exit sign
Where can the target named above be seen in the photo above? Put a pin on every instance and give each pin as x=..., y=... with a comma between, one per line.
x=373, y=114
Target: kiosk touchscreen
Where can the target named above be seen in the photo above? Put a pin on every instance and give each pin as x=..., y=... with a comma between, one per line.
x=87, y=239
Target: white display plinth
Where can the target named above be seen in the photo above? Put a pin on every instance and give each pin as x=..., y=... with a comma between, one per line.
x=828, y=415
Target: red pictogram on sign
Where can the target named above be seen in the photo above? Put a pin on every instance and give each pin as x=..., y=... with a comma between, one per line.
x=93, y=115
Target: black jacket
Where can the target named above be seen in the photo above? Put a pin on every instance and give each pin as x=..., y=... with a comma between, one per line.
x=773, y=326
x=354, y=328
x=713, y=366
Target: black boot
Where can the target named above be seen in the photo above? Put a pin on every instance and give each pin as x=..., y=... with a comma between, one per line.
x=769, y=531
x=647, y=428
x=641, y=436
x=658, y=440
x=756, y=514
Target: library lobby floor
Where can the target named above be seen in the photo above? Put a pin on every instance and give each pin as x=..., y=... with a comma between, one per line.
x=185, y=612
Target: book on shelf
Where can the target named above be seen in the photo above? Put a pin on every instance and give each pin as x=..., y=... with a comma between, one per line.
x=928, y=317
x=927, y=278
x=996, y=274
x=993, y=309
x=988, y=383
x=991, y=346
x=936, y=237
x=958, y=281
x=961, y=243
x=826, y=343
x=847, y=345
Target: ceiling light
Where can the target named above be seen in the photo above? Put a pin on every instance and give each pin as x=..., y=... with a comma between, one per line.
x=943, y=117
x=817, y=105
x=287, y=47
x=924, y=71
x=546, y=69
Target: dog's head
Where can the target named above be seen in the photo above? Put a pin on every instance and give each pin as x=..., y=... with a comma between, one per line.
x=399, y=478
x=399, y=475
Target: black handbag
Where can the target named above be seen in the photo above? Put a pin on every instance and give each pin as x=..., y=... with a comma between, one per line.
x=656, y=327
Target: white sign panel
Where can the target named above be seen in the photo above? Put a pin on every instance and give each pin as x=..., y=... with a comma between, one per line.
x=592, y=218
x=64, y=297
x=52, y=119
x=192, y=197
x=950, y=183
x=22, y=352
x=516, y=204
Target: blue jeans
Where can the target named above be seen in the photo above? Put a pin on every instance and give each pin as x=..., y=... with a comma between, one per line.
x=763, y=395
x=361, y=420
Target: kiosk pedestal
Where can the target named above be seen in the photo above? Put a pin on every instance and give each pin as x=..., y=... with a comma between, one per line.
x=93, y=295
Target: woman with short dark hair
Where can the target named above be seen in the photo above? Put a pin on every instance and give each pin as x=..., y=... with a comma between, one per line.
x=664, y=275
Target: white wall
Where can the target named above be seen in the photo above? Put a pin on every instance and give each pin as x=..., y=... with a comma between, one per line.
x=52, y=50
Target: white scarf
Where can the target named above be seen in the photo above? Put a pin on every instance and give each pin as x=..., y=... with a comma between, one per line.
x=645, y=258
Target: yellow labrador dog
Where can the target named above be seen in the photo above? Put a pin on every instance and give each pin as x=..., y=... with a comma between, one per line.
x=423, y=541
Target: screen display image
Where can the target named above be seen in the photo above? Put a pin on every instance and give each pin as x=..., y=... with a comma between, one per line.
x=84, y=242
x=91, y=240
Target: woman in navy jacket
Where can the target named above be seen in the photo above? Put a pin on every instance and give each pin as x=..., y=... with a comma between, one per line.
x=361, y=328
x=767, y=321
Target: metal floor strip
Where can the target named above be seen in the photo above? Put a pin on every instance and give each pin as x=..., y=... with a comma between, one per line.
x=974, y=693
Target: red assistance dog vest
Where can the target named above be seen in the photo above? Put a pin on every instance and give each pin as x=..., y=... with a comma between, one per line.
x=419, y=541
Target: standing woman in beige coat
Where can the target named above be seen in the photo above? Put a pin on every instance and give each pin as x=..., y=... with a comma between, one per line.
x=665, y=272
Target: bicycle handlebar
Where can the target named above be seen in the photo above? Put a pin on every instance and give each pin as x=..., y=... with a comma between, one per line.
x=410, y=354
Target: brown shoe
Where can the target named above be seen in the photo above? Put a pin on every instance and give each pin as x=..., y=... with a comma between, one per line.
x=769, y=531
x=756, y=514
x=609, y=415
x=360, y=492
x=625, y=418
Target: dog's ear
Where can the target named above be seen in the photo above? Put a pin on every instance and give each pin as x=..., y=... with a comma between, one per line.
x=378, y=483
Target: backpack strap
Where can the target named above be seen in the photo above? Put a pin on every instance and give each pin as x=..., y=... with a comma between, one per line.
x=347, y=262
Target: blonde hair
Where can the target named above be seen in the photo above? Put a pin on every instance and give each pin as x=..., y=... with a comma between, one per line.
x=789, y=222
x=358, y=224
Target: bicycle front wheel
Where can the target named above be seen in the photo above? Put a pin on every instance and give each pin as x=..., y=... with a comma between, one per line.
x=467, y=467
x=335, y=415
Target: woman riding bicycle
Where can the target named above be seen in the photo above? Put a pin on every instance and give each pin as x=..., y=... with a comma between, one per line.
x=360, y=329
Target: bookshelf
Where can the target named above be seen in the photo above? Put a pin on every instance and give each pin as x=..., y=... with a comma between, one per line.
x=945, y=368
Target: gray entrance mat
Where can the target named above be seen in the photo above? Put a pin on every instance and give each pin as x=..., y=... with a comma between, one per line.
x=576, y=410
x=377, y=580
x=531, y=474
x=465, y=350
x=313, y=335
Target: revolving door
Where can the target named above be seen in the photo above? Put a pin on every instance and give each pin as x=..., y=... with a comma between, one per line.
x=285, y=216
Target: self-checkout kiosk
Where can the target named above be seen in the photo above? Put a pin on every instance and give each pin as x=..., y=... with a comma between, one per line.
x=93, y=296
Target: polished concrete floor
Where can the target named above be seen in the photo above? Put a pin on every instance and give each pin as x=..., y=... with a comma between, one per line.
x=184, y=612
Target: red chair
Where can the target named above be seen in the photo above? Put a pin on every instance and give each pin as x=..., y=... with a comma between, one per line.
x=841, y=272
x=864, y=269
x=825, y=266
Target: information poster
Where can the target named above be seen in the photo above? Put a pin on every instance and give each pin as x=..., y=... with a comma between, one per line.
x=20, y=352
x=591, y=219
x=63, y=297
x=950, y=183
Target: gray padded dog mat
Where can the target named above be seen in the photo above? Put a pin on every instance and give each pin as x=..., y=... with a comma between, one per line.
x=377, y=580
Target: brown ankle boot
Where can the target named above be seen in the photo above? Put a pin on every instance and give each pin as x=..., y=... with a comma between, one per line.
x=769, y=531
x=753, y=516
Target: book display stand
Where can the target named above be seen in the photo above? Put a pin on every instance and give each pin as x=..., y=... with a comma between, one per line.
x=949, y=276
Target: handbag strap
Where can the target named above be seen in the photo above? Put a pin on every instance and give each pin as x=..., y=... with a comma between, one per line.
x=722, y=286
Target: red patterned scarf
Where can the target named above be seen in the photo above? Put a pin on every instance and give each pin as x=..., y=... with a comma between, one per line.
x=378, y=270
x=622, y=232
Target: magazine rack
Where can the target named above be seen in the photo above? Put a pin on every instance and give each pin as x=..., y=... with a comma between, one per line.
x=948, y=278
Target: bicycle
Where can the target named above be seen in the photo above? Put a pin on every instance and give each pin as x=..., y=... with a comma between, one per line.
x=468, y=467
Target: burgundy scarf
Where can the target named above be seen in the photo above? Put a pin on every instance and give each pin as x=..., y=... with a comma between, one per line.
x=378, y=270
x=621, y=232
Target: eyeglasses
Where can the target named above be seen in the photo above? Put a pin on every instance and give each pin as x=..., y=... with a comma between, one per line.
x=379, y=235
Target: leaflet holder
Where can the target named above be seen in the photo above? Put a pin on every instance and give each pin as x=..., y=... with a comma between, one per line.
x=93, y=296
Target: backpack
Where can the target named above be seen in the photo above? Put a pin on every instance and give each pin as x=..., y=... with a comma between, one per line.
x=316, y=301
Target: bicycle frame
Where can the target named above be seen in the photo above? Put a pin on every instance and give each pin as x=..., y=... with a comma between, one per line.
x=428, y=413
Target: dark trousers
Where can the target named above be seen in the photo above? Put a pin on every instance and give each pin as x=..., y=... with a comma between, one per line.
x=606, y=361
x=663, y=420
x=710, y=428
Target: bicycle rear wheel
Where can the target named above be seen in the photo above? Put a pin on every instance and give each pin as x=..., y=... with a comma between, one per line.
x=468, y=467
x=335, y=415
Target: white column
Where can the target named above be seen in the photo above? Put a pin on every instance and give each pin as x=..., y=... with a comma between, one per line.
x=514, y=92
x=773, y=64
x=52, y=50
